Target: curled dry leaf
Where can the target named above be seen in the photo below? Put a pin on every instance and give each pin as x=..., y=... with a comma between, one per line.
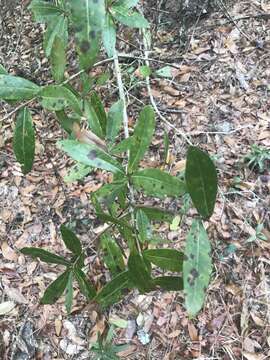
x=6, y=307
x=8, y=252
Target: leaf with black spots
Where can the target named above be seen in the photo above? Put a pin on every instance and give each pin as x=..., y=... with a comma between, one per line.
x=88, y=19
x=24, y=140
x=17, y=88
x=142, y=137
x=155, y=182
x=90, y=155
x=197, y=267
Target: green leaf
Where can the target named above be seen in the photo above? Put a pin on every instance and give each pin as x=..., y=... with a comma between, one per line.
x=142, y=137
x=113, y=257
x=157, y=214
x=58, y=59
x=90, y=155
x=145, y=71
x=44, y=11
x=109, y=36
x=169, y=283
x=55, y=289
x=65, y=121
x=17, y=88
x=3, y=71
x=45, y=256
x=143, y=226
x=111, y=291
x=77, y=172
x=93, y=119
x=24, y=140
x=58, y=27
x=109, y=192
x=139, y=273
x=88, y=17
x=128, y=17
x=69, y=293
x=158, y=183
x=71, y=241
x=165, y=72
x=115, y=118
x=57, y=97
x=197, y=267
x=110, y=219
x=123, y=146
x=167, y=259
x=99, y=110
x=84, y=284
x=127, y=3
x=201, y=180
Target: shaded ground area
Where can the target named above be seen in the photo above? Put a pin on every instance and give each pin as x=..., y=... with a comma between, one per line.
x=219, y=95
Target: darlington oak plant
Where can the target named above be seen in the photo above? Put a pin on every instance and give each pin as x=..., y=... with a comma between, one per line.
x=128, y=244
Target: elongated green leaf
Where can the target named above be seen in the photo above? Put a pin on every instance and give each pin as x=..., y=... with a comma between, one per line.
x=55, y=289
x=127, y=3
x=110, y=219
x=58, y=27
x=77, y=172
x=90, y=155
x=129, y=17
x=84, y=284
x=197, y=267
x=71, y=241
x=44, y=11
x=142, y=137
x=109, y=36
x=143, y=226
x=201, y=180
x=17, y=88
x=115, y=119
x=109, y=192
x=167, y=259
x=139, y=273
x=44, y=255
x=157, y=183
x=111, y=291
x=58, y=59
x=88, y=17
x=24, y=140
x=3, y=71
x=157, y=214
x=93, y=119
x=57, y=97
x=99, y=110
x=113, y=257
x=123, y=146
x=169, y=283
x=69, y=293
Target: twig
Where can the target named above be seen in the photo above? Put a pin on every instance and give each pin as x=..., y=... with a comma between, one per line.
x=126, y=131
x=148, y=85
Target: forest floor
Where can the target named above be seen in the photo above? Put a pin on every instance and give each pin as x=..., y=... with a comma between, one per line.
x=217, y=93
